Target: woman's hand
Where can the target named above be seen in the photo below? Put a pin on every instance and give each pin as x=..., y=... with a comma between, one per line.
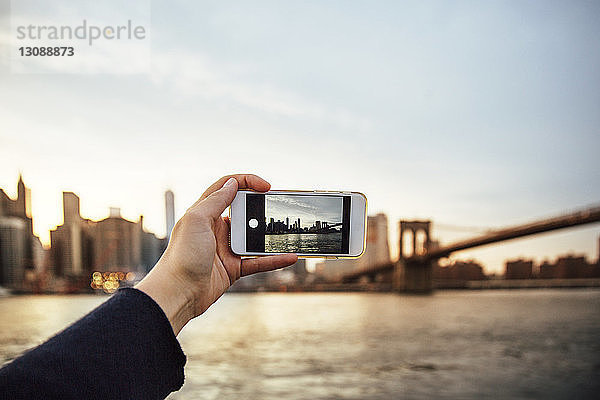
x=198, y=265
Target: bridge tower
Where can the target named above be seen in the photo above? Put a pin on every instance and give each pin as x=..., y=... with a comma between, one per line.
x=414, y=270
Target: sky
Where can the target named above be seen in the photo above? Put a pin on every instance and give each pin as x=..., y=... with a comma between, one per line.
x=308, y=208
x=470, y=114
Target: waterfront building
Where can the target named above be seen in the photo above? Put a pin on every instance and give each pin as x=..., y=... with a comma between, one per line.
x=71, y=244
x=13, y=251
x=460, y=271
x=80, y=246
x=17, y=242
x=571, y=266
x=519, y=269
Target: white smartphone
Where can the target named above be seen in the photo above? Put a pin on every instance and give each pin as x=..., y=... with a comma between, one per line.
x=310, y=224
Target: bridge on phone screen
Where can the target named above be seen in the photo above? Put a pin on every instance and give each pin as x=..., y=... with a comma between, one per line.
x=326, y=227
x=413, y=272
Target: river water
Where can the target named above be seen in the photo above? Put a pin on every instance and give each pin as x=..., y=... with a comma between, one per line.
x=304, y=243
x=542, y=344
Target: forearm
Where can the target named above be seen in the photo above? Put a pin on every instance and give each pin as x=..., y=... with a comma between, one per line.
x=123, y=349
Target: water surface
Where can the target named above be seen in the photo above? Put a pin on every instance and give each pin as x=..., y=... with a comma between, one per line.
x=455, y=344
x=304, y=243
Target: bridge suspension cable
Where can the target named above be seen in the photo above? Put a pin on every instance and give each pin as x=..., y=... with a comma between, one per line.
x=462, y=228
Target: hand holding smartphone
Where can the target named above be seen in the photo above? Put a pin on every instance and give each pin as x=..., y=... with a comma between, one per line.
x=310, y=224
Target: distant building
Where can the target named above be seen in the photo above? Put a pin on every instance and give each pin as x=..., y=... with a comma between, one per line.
x=519, y=269
x=152, y=248
x=299, y=271
x=334, y=270
x=81, y=246
x=72, y=243
x=376, y=253
x=169, y=212
x=117, y=244
x=18, y=246
x=460, y=271
x=546, y=270
x=572, y=267
x=13, y=251
x=569, y=267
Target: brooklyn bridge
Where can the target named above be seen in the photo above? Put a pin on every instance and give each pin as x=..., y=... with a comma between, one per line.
x=413, y=272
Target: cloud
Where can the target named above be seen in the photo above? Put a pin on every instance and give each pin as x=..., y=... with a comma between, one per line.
x=307, y=208
x=192, y=74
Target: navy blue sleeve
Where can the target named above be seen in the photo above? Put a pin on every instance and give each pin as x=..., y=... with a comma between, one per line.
x=124, y=349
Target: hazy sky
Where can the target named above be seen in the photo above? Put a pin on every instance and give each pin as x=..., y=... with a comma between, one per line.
x=308, y=209
x=480, y=114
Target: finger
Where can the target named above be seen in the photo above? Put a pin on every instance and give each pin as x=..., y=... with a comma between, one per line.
x=222, y=230
x=251, y=266
x=218, y=201
x=231, y=262
x=245, y=181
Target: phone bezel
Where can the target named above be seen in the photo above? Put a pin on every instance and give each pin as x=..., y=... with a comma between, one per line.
x=357, y=229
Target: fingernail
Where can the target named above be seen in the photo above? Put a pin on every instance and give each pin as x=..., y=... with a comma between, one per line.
x=230, y=182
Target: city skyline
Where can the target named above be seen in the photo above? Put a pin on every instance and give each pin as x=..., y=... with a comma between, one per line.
x=308, y=208
x=80, y=247
x=94, y=216
x=294, y=225
x=169, y=209
x=433, y=121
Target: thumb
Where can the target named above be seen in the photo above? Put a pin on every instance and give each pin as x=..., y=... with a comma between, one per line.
x=218, y=201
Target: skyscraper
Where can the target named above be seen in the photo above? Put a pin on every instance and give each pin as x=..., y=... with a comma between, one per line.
x=16, y=237
x=378, y=250
x=170, y=212
x=22, y=201
x=71, y=244
x=117, y=244
x=151, y=247
x=13, y=251
x=114, y=244
x=71, y=212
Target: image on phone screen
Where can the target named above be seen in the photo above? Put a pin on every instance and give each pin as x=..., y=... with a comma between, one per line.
x=292, y=223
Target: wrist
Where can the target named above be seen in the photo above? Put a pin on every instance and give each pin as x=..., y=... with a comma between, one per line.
x=170, y=294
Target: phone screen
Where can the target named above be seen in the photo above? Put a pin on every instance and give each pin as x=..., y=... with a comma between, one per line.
x=294, y=223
